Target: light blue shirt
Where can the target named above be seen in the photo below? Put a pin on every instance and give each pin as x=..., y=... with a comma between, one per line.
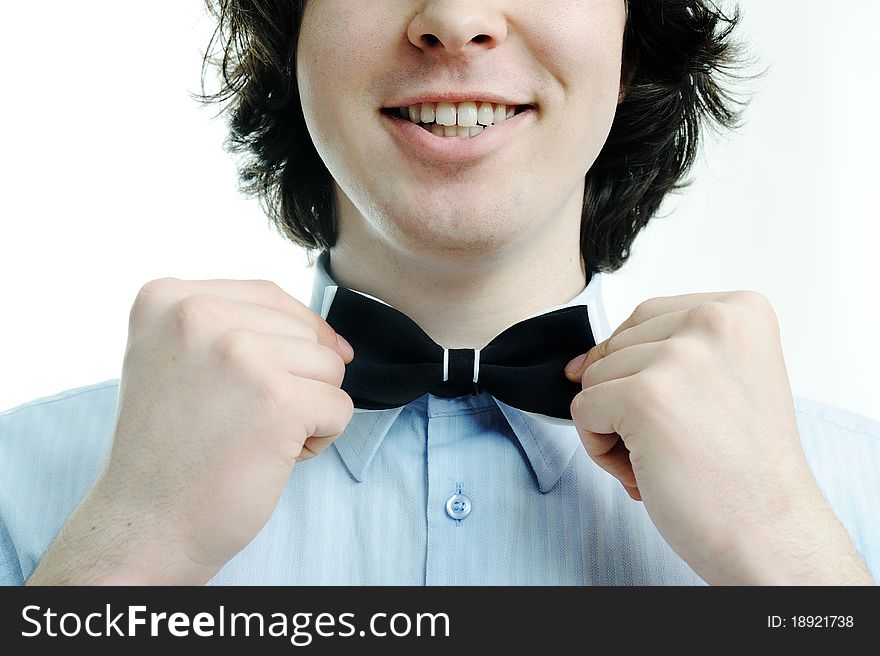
x=442, y=491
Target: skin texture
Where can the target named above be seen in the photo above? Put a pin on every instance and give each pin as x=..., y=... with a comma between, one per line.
x=456, y=247
x=225, y=385
x=688, y=404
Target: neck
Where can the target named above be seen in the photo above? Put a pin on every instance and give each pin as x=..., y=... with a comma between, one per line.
x=462, y=298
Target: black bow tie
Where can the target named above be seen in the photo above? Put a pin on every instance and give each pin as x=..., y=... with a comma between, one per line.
x=395, y=361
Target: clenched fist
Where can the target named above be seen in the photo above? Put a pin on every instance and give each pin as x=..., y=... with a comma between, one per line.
x=688, y=404
x=225, y=385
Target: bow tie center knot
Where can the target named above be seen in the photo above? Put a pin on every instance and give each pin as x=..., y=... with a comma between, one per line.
x=461, y=370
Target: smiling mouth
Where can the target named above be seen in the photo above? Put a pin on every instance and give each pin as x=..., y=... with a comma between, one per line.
x=461, y=119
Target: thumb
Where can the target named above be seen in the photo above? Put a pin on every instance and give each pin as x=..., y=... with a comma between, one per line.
x=575, y=369
x=345, y=349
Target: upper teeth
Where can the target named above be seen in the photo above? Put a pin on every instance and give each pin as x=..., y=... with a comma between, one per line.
x=465, y=114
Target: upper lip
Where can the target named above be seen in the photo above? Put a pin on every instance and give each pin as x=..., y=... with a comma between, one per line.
x=454, y=97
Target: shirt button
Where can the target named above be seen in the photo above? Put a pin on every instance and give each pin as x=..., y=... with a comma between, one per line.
x=458, y=506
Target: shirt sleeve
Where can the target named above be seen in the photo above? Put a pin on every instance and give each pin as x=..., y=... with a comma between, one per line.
x=51, y=450
x=843, y=452
x=10, y=567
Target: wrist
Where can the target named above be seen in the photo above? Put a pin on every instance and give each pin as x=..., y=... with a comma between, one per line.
x=110, y=541
x=804, y=543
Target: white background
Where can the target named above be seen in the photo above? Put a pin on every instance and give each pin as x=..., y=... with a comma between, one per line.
x=113, y=176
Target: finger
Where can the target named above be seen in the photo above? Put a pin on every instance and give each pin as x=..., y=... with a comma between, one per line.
x=601, y=441
x=654, y=307
x=642, y=343
x=259, y=356
x=622, y=364
x=633, y=491
x=225, y=313
x=314, y=446
x=652, y=329
x=600, y=408
x=307, y=359
x=329, y=411
x=272, y=319
x=611, y=454
x=260, y=292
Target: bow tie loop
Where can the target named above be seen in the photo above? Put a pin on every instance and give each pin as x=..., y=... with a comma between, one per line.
x=461, y=373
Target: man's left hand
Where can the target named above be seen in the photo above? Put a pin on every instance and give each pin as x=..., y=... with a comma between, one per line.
x=688, y=404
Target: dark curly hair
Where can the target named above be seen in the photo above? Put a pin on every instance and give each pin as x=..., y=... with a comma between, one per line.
x=674, y=52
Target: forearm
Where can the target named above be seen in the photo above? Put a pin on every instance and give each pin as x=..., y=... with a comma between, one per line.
x=103, y=544
x=806, y=546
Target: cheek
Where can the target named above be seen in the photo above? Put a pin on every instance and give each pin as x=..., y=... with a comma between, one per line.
x=316, y=65
x=335, y=49
x=583, y=55
x=582, y=43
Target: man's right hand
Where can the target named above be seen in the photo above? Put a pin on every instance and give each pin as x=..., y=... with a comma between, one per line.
x=225, y=385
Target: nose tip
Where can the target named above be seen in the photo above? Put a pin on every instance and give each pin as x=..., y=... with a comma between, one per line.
x=433, y=42
x=456, y=28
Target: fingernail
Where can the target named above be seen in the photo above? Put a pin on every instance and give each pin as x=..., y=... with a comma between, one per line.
x=344, y=345
x=575, y=364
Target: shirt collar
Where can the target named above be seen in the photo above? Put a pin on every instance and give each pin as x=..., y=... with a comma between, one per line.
x=549, y=443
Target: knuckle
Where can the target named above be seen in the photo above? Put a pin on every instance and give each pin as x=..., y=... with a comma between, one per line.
x=321, y=364
x=651, y=390
x=338, y=367
x=194, y=312
x=269, y=394
x=752, y=298
x=346, y=406
x=149, y=297
x=644, y=310
x=159, y=286
x=589, y=374
x=758, y=305
x=681, y=350
x=714, y=317
x=586, y=378
x=272, y=294
x=577, y=406
x=332, y=410
x=612, y=344
x=308, y=408
x=344, y=410
x=269, y=288
x=309, y=332
x=235, y=348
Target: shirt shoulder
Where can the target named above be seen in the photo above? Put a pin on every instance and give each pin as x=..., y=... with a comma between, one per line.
x=51, y=449
x=57, y=427
x=73, y=393
x=816, y=414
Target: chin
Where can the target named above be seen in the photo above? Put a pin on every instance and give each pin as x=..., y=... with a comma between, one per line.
x=447, y=238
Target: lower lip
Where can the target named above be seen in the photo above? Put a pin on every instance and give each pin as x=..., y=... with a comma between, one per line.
x=425, y=144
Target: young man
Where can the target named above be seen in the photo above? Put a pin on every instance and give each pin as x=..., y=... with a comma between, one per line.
x=679, y=455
